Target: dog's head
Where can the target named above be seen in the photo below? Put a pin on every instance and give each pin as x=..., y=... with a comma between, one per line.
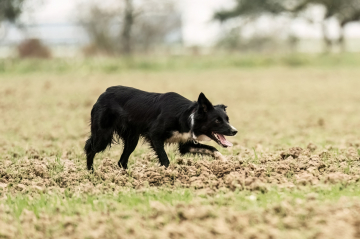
x=212, y=121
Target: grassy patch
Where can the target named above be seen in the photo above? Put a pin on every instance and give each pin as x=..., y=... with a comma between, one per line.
x=69, y=204
x=175, y=63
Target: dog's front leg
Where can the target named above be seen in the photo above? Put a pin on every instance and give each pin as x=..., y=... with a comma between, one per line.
x=158, y=146
x=190, y=147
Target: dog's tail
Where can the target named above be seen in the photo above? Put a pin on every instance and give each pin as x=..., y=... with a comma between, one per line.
x=89, y=153
x=88, y=146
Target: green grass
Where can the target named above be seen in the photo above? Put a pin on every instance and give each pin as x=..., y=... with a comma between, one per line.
x=132, y=200
x=68, y=204
x=175, y=63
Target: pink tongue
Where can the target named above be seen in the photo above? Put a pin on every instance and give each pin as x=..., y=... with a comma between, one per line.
x=224, y=141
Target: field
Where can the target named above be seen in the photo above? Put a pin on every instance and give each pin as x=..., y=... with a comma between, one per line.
x=293, y=171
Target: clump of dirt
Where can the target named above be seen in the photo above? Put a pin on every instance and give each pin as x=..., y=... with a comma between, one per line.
x=311, y=147
x=294, y=152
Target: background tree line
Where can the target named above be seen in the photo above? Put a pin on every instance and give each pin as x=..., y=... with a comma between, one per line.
x=130, y=26
x=343, y=11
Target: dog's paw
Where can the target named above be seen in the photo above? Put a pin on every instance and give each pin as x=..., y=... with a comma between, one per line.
x=219, y=156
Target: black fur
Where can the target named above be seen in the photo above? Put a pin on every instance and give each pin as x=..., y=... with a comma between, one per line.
x=131, y=113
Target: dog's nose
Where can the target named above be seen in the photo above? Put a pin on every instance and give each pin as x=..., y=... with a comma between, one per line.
x=233, y=131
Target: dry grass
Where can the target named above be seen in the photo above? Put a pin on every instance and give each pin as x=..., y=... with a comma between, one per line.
x=268, y=189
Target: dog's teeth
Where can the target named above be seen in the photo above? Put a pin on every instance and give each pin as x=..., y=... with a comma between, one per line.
x=216, y=136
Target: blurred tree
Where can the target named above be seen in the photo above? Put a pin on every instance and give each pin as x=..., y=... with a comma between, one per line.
x=97, y=24
x=157, y=22
x=128, y=21
x=254, y=8
x=10, y=10
x=249, y=11
x=345, y=11
x=130, y=27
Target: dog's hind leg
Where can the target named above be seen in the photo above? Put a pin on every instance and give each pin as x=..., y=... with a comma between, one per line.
x=130, y=140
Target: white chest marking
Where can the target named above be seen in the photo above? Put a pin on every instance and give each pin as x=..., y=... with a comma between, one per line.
x=178, y=137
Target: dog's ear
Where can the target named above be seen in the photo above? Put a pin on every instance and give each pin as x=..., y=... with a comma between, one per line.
x=204, y=104
x=221, y=106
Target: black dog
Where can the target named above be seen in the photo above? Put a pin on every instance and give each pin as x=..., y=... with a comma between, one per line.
x=159, y=118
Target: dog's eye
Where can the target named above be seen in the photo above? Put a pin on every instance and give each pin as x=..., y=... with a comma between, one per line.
x=217, y=121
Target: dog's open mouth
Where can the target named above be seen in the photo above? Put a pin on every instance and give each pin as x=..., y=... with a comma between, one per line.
x=221, y=140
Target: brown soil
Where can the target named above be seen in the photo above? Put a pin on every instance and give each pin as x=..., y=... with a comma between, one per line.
x=290, y=168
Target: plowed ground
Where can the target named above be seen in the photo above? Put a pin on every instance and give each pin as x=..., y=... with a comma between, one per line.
x=293, y=171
